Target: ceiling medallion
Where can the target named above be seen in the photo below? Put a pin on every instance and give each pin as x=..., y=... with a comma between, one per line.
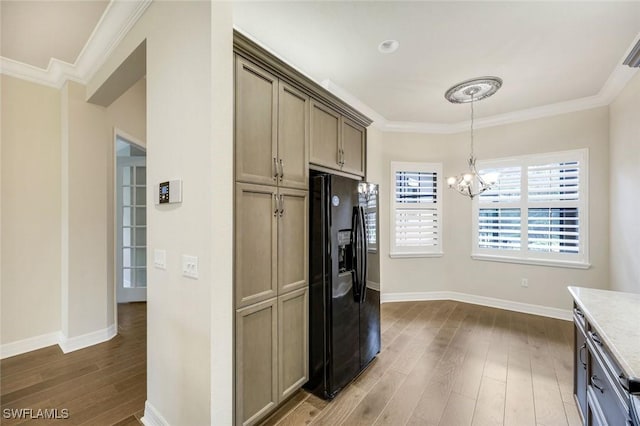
x=475, y=89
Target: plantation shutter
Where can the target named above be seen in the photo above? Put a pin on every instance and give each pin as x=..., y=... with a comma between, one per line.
x=416, y=217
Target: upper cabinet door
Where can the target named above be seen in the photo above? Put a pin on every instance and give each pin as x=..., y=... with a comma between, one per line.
x=353, y=147
x=256, y=237
x=325, y=136
x=293, y=137
x=256, y=124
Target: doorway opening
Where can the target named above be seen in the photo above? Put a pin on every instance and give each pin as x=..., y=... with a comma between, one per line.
x=131, y=220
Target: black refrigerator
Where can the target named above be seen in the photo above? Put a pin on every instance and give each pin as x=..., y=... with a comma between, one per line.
x=344, y=289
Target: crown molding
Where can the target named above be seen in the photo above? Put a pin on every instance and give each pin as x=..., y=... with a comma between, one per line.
x=617, y=80
x=114, y=24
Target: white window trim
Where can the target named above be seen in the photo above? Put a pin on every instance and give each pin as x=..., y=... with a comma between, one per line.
x=434, y=251
x=524, y=256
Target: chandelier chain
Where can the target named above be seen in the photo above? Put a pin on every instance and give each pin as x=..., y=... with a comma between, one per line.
x=472, y=153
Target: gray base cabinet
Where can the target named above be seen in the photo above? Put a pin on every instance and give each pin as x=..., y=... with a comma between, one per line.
x=600, y=397
x=293, y=344
x=256, y=361
x=271, y=354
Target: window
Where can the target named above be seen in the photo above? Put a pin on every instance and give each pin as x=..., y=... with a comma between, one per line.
x=371, y=220
x=536, y=212
x=416, y=210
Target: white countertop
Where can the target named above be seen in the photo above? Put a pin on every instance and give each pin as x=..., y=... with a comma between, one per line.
x=615, y=316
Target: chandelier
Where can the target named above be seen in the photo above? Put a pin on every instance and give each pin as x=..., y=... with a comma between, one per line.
x=470, y=183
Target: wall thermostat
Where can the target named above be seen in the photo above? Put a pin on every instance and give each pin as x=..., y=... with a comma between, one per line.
x=169, y=192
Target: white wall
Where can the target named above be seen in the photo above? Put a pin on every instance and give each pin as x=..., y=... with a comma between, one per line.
x=30, y=266
x=189, y=104
x=624, y=136
x=456, y=271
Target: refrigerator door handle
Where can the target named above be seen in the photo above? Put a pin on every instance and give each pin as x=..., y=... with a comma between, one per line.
x=355, y=255
x=363, y=259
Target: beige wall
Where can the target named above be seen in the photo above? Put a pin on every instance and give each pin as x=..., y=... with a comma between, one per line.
x=456, y=271
x=129, y=114
x=30, y=268
x=189, y=81
x=57, y=211
x=87, y=158
x=624, y=135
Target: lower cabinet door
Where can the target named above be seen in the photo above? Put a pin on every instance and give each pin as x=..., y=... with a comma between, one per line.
x=580, y=369
x=256, y=361
x=293, y=343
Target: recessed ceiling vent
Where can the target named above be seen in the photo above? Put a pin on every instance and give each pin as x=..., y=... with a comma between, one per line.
x=633, y=60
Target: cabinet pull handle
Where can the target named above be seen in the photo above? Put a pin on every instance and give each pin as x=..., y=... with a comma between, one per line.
x=281, y=205
x=275, y=168
x=275, y=203
x=593, y=383
x=582, y=348
x=281, y=169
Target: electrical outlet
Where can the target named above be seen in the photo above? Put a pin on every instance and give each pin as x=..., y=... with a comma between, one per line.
x=160, y=259
x=524, y=282
x=190, y=266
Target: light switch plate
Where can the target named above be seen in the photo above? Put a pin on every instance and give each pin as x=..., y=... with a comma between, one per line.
x=190, y=266
x=160, y=259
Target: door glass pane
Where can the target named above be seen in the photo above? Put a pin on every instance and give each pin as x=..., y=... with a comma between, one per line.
x=141, y=216
x=127, y=257
x=141, y=196
x=141, y=175
x=141, y=237
x=126, y=237
x=141, y=277
x=127, y=216
x=126, y=195
x=127, y=175
x=127, y=278
x=141, y=257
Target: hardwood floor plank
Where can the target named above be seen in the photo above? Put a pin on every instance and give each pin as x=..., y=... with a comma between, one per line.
x=519, y=404
x=549, y=406
x=286, y=408
x=489, y=409
x=409, y=394
x=459, y=410
x=338, y=409
x=305, y=412
x=367, y=411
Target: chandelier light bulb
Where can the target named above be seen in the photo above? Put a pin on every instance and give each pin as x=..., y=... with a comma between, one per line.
x=451, y=180
x=468, y=177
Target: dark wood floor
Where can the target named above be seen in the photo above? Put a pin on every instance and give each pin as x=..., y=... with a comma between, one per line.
x=453, y=364
x=442, y=363
x=104, y=384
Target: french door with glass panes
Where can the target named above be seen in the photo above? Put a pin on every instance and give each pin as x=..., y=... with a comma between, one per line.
x=131, y=229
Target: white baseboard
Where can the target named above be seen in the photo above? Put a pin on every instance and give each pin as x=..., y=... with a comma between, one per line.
x=70, y=344
x=57, y=338
x=527, y=308
x=28, y=345
x=152, y=417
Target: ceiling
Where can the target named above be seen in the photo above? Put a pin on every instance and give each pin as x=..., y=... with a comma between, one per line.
x=33, y=32
x=546, y=52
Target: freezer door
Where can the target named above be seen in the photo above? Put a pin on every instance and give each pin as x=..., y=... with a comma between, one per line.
x=344, y=316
